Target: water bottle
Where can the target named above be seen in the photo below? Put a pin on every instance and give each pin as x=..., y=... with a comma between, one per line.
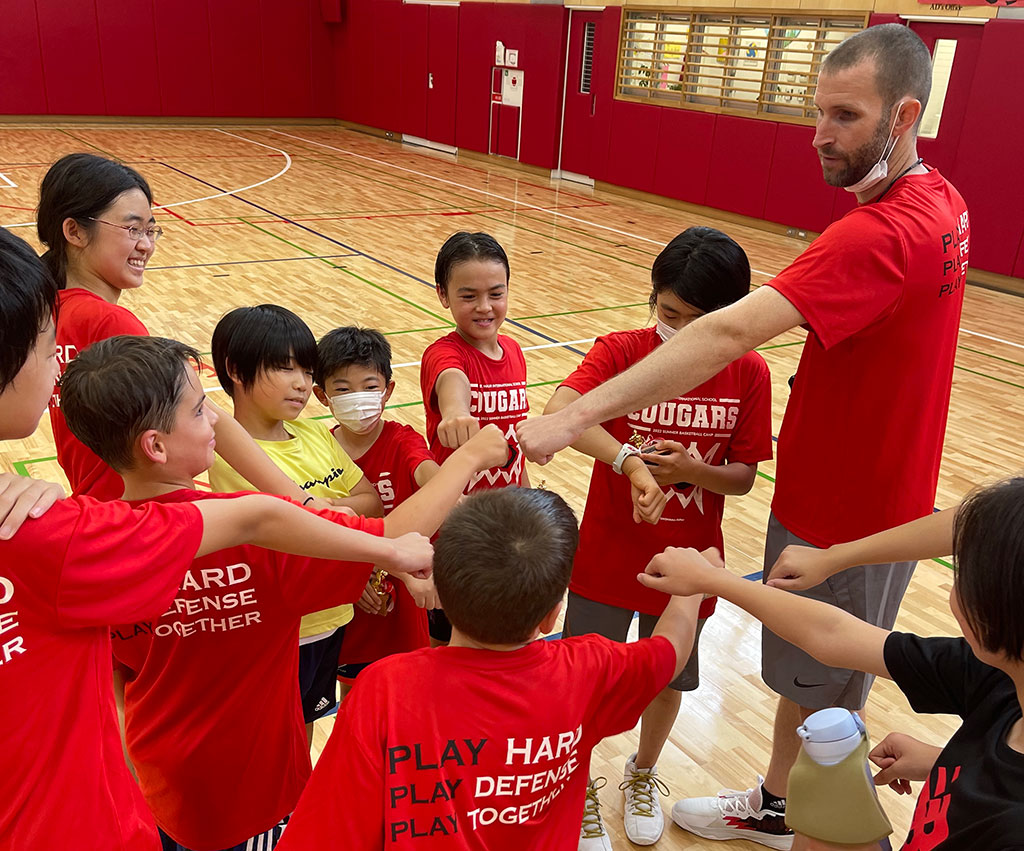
x=831, y=795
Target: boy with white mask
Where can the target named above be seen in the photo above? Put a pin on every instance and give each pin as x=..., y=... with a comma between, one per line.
x=353, y=378
x=264, y=357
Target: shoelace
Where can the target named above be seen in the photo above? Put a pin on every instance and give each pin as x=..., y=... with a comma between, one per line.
x=593, y=827
x=732, y=802
x=640, y=792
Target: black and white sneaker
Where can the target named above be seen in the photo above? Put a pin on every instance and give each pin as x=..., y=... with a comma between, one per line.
x=734, y=815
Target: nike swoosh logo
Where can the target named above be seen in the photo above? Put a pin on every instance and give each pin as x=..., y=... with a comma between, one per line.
x=798, y=684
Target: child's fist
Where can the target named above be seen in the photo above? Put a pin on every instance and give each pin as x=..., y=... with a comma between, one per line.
x=682, y=571
x=454, y=431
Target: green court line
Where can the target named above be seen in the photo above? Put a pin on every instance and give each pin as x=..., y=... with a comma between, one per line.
x=575, y=312
x=362, y=176
x=350, y=273
x=21, y=467
x=764, y=475
x=943, y=562
x=779, y=346
x=992, y=377
x=419, y=330
x=989, y=355
x=91, y=145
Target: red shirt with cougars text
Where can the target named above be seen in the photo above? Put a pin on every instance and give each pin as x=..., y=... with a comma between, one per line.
x=63, y=579
x=459, y=748
x=390, y=465
x=85, y=318
x=881, y=290
x=497, y=395
x=213, y=716
x=727, y=418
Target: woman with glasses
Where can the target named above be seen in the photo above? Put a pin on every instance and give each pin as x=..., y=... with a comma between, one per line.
x=96, y=220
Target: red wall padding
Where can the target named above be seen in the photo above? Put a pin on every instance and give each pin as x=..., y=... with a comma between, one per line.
x=683, y=158
x=987, y=170
x=631, y=145
x=414, y=41
x=261, y=58
x=797, y=195
x=22, y=91
x=741, y=159
x=132, y=40
x=69, y=37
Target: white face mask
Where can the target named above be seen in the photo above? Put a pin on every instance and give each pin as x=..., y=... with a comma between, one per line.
x=880, y=170
x=358, y=412
x=666, y=332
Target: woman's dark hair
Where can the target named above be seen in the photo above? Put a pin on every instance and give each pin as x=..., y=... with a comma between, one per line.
x=463, y=246
x=703, y=267
x=251, y=340
x=79, y=187
x=28, y=300
x=988, y=546
x=350, y=346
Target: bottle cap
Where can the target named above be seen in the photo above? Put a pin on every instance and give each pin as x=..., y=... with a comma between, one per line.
x=830, y=725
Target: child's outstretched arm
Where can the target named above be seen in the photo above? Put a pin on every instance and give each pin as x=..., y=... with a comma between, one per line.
x=425, y=510
x=22, y=497
x=826, y=632
x=678, y=623
x=804, y=567
x=276, y=524
x=363, y=499
x=649, y=499
x=454, y=401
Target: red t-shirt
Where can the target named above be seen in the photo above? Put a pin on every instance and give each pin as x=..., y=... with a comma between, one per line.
x=727, y=418
x=881, y=290
x=85, y=318
x=456, y=748
x=498, y=395
x=390, y=465
x=213, y=717
x=63, y=578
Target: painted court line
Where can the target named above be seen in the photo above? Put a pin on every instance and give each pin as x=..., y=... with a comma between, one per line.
x=9, y=183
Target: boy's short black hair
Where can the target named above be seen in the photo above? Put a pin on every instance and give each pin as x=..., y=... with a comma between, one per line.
x=502, y=562
x=464, y=246
x=703, y=267
x=120, y=387
x=28, y=301
x=251, y=340
x=988, y=546
x=352, y=346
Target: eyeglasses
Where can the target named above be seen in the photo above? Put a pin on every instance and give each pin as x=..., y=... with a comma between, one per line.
x=136, y=233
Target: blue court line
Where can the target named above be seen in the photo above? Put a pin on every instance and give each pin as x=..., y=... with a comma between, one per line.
x=352, y=248
x=243, y=262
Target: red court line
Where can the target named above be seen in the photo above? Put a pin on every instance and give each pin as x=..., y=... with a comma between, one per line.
x=374, y=216
x=10, y=207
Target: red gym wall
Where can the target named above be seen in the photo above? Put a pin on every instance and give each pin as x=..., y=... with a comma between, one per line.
x=371, y=62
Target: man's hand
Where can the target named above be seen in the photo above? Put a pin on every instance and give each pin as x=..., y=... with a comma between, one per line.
x=541, y=437
x=489, y=447
x=800, y=567
x=649, y=500
x=22, y=497
x=455, y=430
x=422, y=591
x=682, y=571
x=413, y=554
x=903, y=758
x=670, y=463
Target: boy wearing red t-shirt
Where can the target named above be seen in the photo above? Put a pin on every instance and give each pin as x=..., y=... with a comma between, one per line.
x=474, y=375
x=353, y=378
x=214, y=772
x=484, y=743
x=81, y=566
x=700, y=446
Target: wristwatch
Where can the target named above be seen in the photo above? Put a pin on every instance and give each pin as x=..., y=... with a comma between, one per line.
x=626, y=450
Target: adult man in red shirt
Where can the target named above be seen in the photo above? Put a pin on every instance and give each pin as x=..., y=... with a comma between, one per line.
x=880, y=293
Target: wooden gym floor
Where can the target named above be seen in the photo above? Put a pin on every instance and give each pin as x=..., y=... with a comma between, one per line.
x=343, y=229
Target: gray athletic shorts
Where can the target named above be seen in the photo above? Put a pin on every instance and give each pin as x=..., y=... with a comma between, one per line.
x=587, y=617
x=871, y=592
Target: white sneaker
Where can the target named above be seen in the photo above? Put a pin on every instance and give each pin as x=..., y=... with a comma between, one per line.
x=642, y=815
x=592, y=832
x=734, y=815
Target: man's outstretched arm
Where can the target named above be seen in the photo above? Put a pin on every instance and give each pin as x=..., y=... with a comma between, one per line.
x=700, y=350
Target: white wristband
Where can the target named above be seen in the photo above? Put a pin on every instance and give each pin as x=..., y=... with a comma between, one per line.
x=626, y=450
